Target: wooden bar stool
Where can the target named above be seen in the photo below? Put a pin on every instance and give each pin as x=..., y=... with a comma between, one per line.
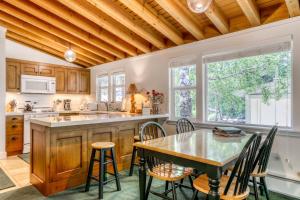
x=103, y=148
x=134, y=151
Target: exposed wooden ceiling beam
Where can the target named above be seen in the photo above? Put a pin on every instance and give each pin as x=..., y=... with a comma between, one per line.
x=88, y=11
x=75, y=19
x=58, y=23
x=293, y=7
x=251, y=11
x=55, y=31
x=41, y=47
x=177, y=12
x=217, y=18
x=14, y=23
x=108, y=7
x=153, y=20
x=41, y=40
x=278, y=14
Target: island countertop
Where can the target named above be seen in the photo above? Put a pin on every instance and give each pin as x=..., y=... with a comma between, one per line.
x=76, y=120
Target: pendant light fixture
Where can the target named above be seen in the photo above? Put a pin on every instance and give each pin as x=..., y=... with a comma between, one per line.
x=199, y=6
x=70, y=55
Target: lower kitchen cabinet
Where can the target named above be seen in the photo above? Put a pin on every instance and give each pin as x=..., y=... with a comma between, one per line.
x=14, y=135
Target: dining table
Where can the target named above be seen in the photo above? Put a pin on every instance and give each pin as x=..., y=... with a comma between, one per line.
x=201, y=149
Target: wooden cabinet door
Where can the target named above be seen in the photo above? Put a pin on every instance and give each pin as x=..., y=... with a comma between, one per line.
x=29, y=69
x=46, y=70
x=13, y=73
x=72, y=84
x=84, y=82
x=68, y=154
x=61, y=80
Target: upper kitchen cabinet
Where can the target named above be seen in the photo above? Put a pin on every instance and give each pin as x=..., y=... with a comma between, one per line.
x=46, y=70
x=13, y=72
x=68, y=80
x=84, y=82
x=73, y=81
x=29, y=69
x=61, y=80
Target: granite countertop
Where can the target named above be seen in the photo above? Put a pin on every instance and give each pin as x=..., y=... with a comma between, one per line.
x=86, y=112
x=14, y=113
x=63, y=121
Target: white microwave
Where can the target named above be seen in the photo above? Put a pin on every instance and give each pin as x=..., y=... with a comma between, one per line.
x=38, y=84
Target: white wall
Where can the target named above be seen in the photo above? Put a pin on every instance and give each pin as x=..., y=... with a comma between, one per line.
x=19, y=51
x=2, y=92
x=150, y=71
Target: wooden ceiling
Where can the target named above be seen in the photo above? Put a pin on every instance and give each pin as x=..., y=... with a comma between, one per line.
x=101, y=31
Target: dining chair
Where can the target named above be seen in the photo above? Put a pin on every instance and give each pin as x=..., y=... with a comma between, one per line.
x=159, y=169
x=261, y=163
x=235, y=186
x=184, y=125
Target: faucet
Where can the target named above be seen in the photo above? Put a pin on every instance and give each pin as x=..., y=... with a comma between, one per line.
x=106, y=105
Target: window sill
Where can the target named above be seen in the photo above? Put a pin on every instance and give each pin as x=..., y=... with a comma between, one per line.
x=249, y=128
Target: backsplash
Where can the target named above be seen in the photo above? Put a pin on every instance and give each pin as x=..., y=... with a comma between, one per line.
x=47, y=100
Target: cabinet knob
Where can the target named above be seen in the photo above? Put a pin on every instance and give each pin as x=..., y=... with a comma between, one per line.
x=14, y=126
x=14, y=118
x=13, y=138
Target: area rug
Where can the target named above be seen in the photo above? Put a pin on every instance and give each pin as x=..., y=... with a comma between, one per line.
x=130, y=191
x=5, y=181
x=25, y=157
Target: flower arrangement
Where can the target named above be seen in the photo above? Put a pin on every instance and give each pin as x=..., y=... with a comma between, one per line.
x=155, y=98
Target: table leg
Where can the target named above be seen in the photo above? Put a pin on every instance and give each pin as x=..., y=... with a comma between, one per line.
x=214, y=184
x=142, y=178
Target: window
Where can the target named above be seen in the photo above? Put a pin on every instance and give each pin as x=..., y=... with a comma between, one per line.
x=102, y=88
x=250, y=87
x=183, y=91
x=118, y=86
x=111, y=87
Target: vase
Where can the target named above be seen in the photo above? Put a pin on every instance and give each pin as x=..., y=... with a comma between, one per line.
x=155, y=108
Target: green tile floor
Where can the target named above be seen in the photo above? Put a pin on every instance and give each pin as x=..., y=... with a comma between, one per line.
x=130, y=191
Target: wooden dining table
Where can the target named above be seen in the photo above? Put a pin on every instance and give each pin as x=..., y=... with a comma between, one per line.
x=201, y=150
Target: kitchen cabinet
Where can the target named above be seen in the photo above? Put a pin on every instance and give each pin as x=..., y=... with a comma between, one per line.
x=29, y=69
x=14, y=135
x=13, y=73
x=61, y=80
x=73, y=81
x=69, y=80
x=46, y=71
x=84, y=82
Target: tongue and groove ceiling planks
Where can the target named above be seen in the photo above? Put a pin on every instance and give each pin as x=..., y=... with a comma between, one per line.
x=102, y=31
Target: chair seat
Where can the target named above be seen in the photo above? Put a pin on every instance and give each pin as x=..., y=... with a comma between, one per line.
x=136, y=138
x=170, y=172
x=202, y=184
x=255, y=173
x=103, y=145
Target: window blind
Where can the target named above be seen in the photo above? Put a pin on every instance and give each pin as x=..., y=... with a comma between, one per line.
x=260, y=50
x=182, y=61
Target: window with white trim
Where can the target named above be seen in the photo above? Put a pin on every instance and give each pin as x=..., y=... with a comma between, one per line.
x=183, y=90
x=103, y=88
x=251, y=86
x=118, y=86
x=111, y=87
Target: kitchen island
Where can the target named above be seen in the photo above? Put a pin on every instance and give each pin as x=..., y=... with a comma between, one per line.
x=61, y=146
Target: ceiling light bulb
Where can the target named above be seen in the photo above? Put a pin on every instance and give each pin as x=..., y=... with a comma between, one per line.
x=70, y=55
x=198, y=6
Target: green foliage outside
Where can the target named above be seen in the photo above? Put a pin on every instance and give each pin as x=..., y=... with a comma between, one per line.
x=229, y=83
